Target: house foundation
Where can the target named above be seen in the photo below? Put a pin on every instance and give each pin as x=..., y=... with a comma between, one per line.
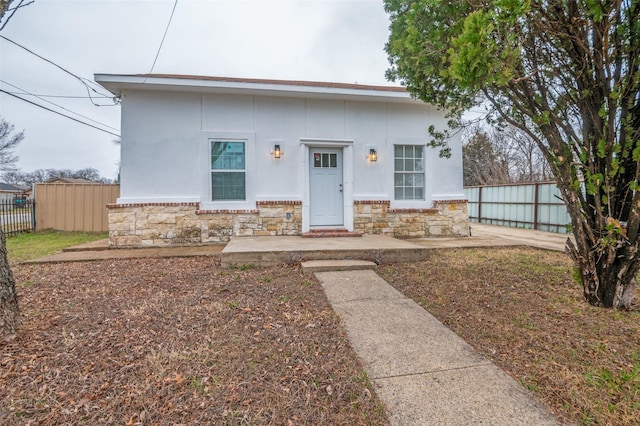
x=165, y=224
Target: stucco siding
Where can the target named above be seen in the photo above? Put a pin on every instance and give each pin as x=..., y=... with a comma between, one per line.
x=159, y=146
x=166, y=164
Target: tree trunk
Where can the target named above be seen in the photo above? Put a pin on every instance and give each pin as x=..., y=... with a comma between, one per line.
x=9, y=313
x=607, y=274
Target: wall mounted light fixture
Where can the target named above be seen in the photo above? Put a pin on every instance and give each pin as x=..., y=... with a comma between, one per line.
x=277, y=152
x=373, y=155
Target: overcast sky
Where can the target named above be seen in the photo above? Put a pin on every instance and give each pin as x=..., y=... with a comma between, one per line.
x=328, y=40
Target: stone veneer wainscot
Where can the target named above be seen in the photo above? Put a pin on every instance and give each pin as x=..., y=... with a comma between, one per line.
x=163, y=224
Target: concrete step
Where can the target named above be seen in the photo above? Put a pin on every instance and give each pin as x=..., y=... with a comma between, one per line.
x=311, y=266
x=330, y=233
x=269, y=251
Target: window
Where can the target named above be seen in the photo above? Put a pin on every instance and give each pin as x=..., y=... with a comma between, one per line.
x=408, y=172
x=325, y=160
x=228, y=171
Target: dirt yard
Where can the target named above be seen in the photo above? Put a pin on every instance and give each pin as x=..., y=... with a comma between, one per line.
x=182, y=341
x=179, y=341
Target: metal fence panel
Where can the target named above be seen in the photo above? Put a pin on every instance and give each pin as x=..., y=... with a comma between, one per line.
x=74, y=206
x=17, y=216
x=532, y=206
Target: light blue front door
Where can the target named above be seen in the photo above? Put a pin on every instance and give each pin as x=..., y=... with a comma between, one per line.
x=325, y=187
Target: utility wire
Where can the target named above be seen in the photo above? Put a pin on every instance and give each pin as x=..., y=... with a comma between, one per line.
x=40, y=95
x=163, y=37
x=83, y=81
x=24, y=92
x=13, y=11
x=59, y=113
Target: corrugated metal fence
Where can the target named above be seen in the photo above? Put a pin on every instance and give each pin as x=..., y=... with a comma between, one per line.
x=531, y=206
x=74, y=206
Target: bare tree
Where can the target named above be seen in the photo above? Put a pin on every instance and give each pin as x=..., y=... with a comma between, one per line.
x=502, y=155
x=484, y=164
x=9, y=140
x=9, y=312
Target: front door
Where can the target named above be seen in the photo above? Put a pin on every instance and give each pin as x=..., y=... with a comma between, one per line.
x=325, y=187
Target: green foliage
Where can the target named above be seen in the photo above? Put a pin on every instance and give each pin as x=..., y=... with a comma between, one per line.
x=567, y=74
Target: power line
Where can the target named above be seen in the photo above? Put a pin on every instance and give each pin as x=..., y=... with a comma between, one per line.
x=25, y=92
x=80, y=79
x=40, y=95
x=59, y=113
x=13, y=11
x=163, y=37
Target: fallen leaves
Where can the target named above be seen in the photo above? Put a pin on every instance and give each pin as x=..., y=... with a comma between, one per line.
x=178, y=341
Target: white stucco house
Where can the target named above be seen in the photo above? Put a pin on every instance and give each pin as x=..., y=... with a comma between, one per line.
x=207, y=158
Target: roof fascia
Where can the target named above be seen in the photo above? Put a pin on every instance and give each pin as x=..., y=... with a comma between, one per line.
x=116, y=84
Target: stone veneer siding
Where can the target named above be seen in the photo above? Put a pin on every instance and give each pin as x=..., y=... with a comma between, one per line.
x=163, y=224
x=446, y=218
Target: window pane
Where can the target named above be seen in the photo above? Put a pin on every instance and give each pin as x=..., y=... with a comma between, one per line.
x=227, y=156
x=316, y=160
x=398, y=179
x=399, y=194
x=397, y=151
x=325, y=160
x=399, y=165
x=333, y=160
x=228, y=185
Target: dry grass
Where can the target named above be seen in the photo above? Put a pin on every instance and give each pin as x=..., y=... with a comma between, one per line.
x=179, y=341
x=521, y=308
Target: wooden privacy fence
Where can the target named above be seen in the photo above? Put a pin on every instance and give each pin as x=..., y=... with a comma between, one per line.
x=531, y=205
x=74, y=206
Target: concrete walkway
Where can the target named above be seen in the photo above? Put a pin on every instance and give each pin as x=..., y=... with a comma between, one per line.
x=423, y=372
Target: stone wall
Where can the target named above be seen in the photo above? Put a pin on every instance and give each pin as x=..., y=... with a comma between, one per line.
x=163, y=224
x=446, y=218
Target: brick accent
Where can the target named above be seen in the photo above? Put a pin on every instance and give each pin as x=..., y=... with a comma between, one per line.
x=122, y=206
x=286, y=202
x=382, y=202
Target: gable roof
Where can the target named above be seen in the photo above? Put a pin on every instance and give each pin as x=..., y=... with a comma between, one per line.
x=69, y=180
x=10, y=187
x=119, y=83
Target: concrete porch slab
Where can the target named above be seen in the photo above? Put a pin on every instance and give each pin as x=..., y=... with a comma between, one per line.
x=268, y=251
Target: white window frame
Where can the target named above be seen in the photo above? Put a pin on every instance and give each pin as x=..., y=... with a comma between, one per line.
x=212, y=142
x=423, y=173
x=206, y=195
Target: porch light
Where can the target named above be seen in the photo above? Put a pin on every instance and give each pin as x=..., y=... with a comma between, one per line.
x=277, y=153
x=373, y=155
